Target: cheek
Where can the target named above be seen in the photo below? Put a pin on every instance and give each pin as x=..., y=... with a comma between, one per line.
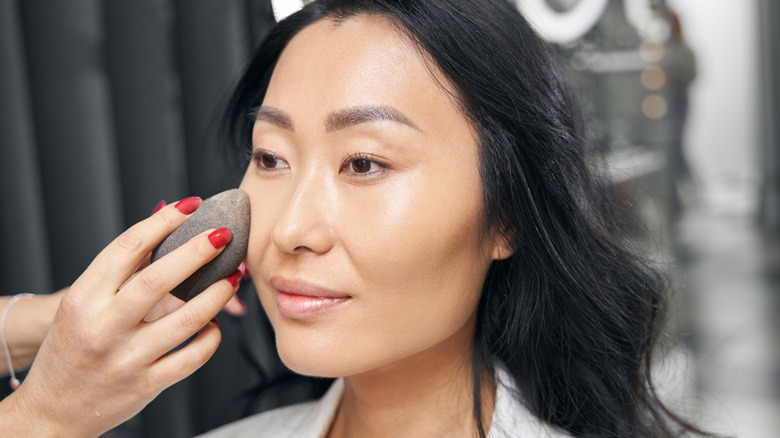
x=265, y=198
x=420, y=247
x=423, y=282
x=421, y=226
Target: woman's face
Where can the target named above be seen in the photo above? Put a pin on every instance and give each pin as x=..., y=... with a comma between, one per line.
x=367, y=242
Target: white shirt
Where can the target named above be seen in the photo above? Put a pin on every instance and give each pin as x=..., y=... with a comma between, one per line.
x=312, y=419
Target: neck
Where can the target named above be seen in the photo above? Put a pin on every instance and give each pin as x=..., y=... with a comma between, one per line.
x=427, y=394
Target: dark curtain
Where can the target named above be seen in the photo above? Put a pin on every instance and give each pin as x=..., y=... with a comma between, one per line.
x=770, y=108
x=106, y=108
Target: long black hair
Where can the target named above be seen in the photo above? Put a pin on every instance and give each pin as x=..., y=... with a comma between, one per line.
x=572, y=315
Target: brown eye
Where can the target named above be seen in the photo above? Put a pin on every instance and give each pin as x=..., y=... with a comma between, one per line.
x=361, y=165
x=269, y=161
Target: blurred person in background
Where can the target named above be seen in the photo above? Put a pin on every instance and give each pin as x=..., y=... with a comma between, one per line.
x=679, y=64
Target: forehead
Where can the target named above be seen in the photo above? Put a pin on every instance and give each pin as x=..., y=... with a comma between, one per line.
x=358, y=31
x=360, y=60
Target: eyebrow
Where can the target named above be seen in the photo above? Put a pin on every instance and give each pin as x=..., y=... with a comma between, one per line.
x=340, y=119
x=366, y=113
x=275, y=117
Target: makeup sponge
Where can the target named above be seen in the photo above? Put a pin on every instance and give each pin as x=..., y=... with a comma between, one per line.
x=229, y=209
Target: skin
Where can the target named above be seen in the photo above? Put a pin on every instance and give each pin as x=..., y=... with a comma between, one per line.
x=28, y=322
x=385, y=210
x=26, y=326
x=99, y=339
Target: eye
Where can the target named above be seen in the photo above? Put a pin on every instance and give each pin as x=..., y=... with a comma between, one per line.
x=267, y=161
x=362, y=164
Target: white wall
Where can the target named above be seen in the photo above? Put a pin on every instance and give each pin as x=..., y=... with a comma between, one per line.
x=724, y=124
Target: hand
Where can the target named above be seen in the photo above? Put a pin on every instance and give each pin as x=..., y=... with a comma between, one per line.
x=169, y=303
x=101, y=363
x=235, y=307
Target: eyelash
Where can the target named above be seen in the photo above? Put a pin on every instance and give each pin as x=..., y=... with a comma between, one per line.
x=258, y=155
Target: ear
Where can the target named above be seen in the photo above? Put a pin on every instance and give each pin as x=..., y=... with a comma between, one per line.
x=502, y=248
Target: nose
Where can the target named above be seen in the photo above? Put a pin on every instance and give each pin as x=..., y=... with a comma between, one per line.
x=305, y=224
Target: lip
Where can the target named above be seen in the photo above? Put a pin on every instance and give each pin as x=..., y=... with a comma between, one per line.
x=299, y=299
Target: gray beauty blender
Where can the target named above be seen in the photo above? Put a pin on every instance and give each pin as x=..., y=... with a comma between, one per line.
x=229, y=209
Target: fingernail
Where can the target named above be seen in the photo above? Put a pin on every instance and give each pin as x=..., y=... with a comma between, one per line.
x=220, y=237
x=243, y=270
x=158, y=207
x=234, y=277
x=214, y=320
x=188, y=205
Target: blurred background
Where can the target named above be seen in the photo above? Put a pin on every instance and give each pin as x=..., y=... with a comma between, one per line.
x=109, y=106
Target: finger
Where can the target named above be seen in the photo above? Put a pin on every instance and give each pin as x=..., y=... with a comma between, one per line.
x=179, y=325
x=141, y=294
x=146, y=261
x=158, y=207
x=166, y=305
x=244, y=271
x=117, y=262
x=235, y=306
x=179, y=364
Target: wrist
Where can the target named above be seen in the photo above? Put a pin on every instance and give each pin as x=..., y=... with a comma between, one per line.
x=19, y=419
x=26, y=325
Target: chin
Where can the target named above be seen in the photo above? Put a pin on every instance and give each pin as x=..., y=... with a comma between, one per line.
x=319, y=356
x=309, y=354
x=308, y=363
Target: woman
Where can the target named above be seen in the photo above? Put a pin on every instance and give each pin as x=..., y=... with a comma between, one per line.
x=424, y=227
x=424, y=224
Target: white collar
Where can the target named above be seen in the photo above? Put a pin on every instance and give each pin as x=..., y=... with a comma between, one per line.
x=510, y=417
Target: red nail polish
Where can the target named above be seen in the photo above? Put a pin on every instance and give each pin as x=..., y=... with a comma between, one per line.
x=158, y=207
x=220, y=237
x=188, y=205
x=234, y=278
x=214, y=320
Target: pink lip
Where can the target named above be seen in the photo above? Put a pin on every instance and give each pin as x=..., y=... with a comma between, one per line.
x=298, y=299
